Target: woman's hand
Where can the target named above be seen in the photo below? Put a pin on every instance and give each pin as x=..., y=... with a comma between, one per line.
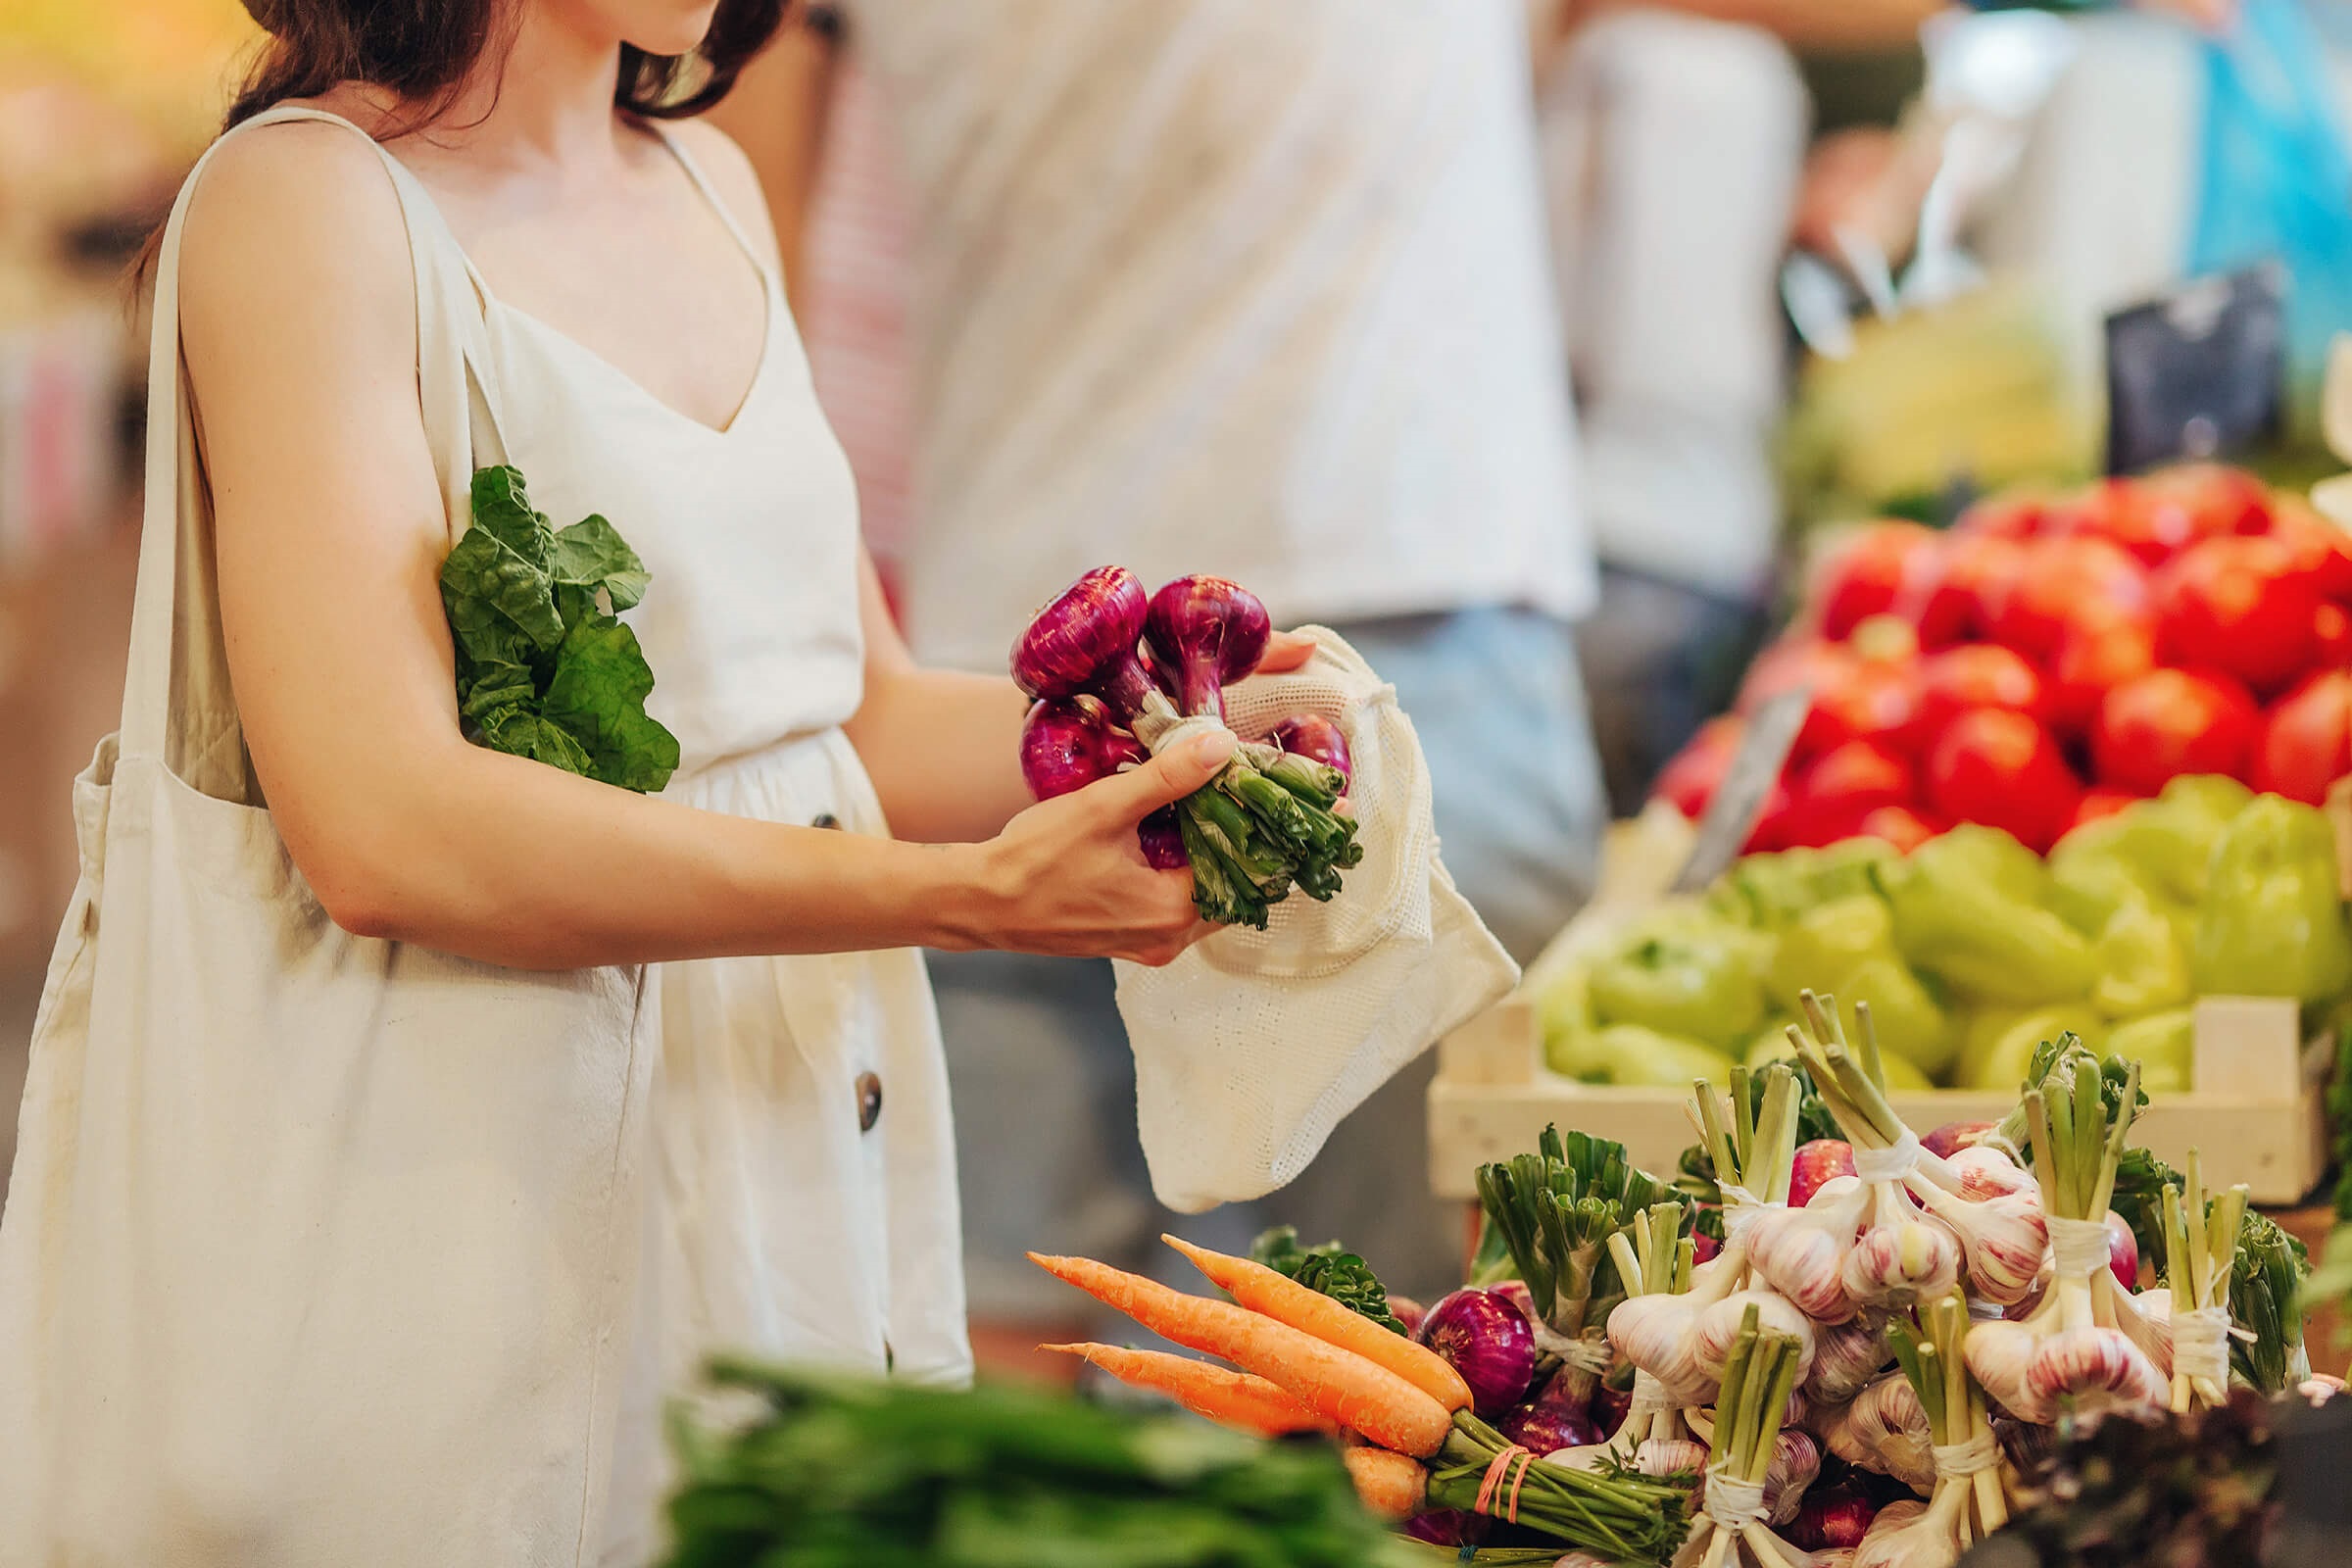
x=1068, y=877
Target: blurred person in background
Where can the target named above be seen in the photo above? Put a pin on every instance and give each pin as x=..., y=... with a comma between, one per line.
x=1688, y=144
x=1257, y=290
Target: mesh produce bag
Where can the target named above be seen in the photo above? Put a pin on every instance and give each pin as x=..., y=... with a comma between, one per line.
x=1250, y=1047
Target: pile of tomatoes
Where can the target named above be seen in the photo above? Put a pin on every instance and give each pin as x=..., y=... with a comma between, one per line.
x=2052, y=656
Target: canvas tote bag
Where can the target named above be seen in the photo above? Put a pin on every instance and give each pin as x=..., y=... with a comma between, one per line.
x=314, y=1245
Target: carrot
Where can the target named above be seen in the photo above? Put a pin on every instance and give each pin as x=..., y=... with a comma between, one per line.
x=1286, y=1300
x=1390, y=1485
x=1228, y=1397
x=1336, y=1383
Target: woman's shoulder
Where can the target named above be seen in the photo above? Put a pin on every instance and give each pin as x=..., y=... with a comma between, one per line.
x=303, y=205
x=731, y=174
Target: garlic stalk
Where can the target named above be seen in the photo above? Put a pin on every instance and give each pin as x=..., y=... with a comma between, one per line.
x=2074, y=1350
x=1967, y=1460
x=1894, y=1254
x=2197, y=1264
x=1757, y=1378
x=1655, y=1266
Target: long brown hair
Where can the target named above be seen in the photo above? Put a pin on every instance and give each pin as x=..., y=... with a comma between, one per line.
x=423, y=49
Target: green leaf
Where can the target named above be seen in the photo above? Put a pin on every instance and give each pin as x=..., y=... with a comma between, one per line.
x=519, y=732
x=591, y=553
x=498, y=604
x=1328, y=1270
x=502, y=508
x=598, y=693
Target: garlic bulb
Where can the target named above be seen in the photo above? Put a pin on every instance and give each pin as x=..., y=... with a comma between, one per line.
x=1885, y=1430
x=1671, y=1456
x=1718, y=1325
x=1911, y=1535
x=2002, y=1237
x=1981, y=1171
x=2147, y=1318
x=2097, y=1367
x=1896, y=1261
x=1656, y=1331
x=1796, y=1465
x=1845, y=1357
x=1801, y=1251
x=1998, y=1355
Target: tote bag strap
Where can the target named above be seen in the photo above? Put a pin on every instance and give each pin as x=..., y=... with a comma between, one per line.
x=176, y=703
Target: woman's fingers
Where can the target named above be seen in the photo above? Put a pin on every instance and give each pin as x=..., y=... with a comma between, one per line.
x=1170, y=776
x=1286, y=651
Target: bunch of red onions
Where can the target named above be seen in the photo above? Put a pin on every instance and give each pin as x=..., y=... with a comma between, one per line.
x=1118, y=676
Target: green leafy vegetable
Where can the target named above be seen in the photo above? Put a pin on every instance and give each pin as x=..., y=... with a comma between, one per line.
x=2266, y=1278
x=2053, y=1070
x=1551, y=1213
x=544, y=670
x=2141, y=1179
x=830, y=1473
x=1328, y=1270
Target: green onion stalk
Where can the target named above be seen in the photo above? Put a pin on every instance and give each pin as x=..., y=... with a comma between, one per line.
x=1622, y=1516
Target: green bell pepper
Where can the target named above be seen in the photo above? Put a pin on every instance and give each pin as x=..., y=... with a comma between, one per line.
x=2142, y=966
x=1564, y=1014
x=1631, y=1054
x=1847, y=946
x=1993, y=855
x=2164, y=1046
x=1998, y=1060
x=2271, y=923
x=1686, y=976
x=2170, y=841
x=1987, y=940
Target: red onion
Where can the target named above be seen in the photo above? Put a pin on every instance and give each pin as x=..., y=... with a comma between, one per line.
x=1816, y=1162
x=1487, y=1338
x=1069, y=743
x=1448, y=1527
x=1516, y=1293
x=1163, y=842
x=1548, y=1431
x=1318, y=740
x=1408, y=1311
x=1830, y=1519
x=1703, y=1246
x=2123, y=1252
x=1610, y=1405
x=1091, y=624
x=1204, y=632
x=1952, y=1136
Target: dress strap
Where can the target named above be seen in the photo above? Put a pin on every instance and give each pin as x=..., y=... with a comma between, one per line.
x=176, y=703
x=710, y=193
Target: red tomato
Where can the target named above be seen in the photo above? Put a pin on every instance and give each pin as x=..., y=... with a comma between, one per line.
x=2320, y=547
x=1973, y=675
x=1900, y=826
x=1885, y=640
x=1790, y=662
x=1866, y=574
x=1867, y=701
x=2064, y=582
x=2241, y=604
x=1979, y=571
x=2094, y=659
x=1858, y=777
x=2003, y=770
x=2169, y=723
x=2331, y=630
x=2145, y=519
x=2220, y=498
x=2306, y=740
x=1774, y=823
x=2098, y=803
x=2011, y=514
x=1689, y=780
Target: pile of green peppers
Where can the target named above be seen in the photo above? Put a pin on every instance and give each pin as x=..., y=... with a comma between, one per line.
x=1972, y=950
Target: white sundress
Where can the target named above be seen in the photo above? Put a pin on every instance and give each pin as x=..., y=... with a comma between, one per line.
x=760, y=1158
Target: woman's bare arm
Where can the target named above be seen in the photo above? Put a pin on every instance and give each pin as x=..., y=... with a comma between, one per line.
x=297, y=327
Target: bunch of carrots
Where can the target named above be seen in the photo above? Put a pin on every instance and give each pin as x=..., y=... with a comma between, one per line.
x=1301, y=1362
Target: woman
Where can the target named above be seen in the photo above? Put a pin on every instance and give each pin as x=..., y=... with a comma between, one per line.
x=370, y=1199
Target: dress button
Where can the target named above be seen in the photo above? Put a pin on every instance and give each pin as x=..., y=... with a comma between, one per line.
x=870, y=1100
x=824, y=820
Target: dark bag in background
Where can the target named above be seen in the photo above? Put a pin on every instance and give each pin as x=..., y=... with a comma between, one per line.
x=2200, y=372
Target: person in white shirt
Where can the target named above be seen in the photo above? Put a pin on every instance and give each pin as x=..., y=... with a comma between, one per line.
x=1259, y=290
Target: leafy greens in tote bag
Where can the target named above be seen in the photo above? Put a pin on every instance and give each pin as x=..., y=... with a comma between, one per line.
x=544, y=669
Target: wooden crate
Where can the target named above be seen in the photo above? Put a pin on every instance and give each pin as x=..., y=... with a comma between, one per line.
x=2255, y=1113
